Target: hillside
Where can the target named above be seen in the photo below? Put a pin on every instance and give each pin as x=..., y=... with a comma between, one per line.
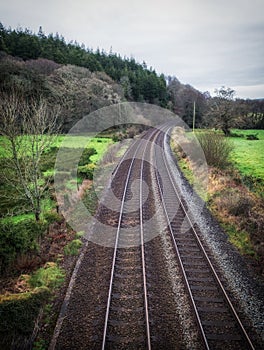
x=139, y=83
x=37, y=56
x=76, y=89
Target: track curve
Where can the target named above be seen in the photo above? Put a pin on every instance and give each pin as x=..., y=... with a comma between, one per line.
x=123, y=297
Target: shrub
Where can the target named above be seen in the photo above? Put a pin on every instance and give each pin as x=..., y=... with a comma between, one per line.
x=217, y=149
x=70, y=154
x=118, y=136
x=235, y=202
x=87, y=153
x=18, y=313
x=241, y=207
x=86, y=171
x=90, y=200
x=111, y=154
x=51, y=216
x=252, y=137
x=235, y=134
x=73, y=247
x=50, y=276
x=48, y=159
x=18, y=238
x=79, y=234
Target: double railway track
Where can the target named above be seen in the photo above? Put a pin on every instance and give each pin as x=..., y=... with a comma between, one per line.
x=126, y=306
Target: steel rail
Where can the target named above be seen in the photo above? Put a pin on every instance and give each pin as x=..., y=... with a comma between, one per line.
x=142, y=248
x=115, y=251
x=181, y=264
x=227, y=299
x=124, y=156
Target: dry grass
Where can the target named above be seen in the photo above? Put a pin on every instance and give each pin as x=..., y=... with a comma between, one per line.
x=239, y=211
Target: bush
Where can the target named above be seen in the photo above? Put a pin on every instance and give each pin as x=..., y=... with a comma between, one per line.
x=252, y=137
x=79, y=234
x=241, y=207
x=69, y=157
x=48, y=159
x=235, y=134
x=217, y=149
x=118, y=136
x=51, y=216
x=18, y=313
x=18, y=238
x=73, y=247
x=86, y=171
x=87, y=153
x=235, y=202
x=50, y=276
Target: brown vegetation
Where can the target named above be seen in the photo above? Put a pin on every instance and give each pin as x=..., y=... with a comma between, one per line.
x=239, y=210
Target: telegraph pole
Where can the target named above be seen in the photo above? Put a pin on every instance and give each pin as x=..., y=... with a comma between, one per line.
x=193, y=115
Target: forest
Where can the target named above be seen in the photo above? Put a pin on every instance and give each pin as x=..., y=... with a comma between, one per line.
x=29, y=58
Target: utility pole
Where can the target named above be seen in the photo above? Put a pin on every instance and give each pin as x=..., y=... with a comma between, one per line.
x=193, y=115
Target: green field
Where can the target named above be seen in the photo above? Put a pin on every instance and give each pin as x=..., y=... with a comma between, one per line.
x=100, y=144
x=248, y=155
x=47, y=163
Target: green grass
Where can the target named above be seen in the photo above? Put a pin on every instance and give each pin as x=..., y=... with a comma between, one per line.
x=17, y=218
x=100, y=144
x=241, y=240
x=248, y=158
x=248, y=155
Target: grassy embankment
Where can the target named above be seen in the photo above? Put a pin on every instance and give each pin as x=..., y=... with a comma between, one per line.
x=235, y=193
x=31, y=254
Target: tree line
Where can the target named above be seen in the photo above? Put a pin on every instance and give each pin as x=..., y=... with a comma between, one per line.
x=43, y=54
x=139, y=82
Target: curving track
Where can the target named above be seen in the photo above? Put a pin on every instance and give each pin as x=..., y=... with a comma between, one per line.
x=123, y=298
x=219, y=324
x=127, y=318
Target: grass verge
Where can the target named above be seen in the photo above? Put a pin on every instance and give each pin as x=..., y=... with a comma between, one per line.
x=238, y=209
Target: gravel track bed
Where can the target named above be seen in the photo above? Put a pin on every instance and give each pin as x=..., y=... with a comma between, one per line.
x=172, y=323
x=83, y=320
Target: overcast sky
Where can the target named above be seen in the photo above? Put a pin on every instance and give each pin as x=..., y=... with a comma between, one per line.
x=205, y=43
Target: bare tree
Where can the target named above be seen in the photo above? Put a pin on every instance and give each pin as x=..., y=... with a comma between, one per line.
x=28, y=129
x=222, y=110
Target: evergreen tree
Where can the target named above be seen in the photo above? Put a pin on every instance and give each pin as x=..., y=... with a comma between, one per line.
x=139, y=82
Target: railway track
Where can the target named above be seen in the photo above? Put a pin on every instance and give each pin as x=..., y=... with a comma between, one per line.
x=127, y=315
x=125, y=298
x=219, y=324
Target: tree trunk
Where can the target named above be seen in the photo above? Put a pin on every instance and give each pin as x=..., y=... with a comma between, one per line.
x=37, y=215
x=226, y=131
